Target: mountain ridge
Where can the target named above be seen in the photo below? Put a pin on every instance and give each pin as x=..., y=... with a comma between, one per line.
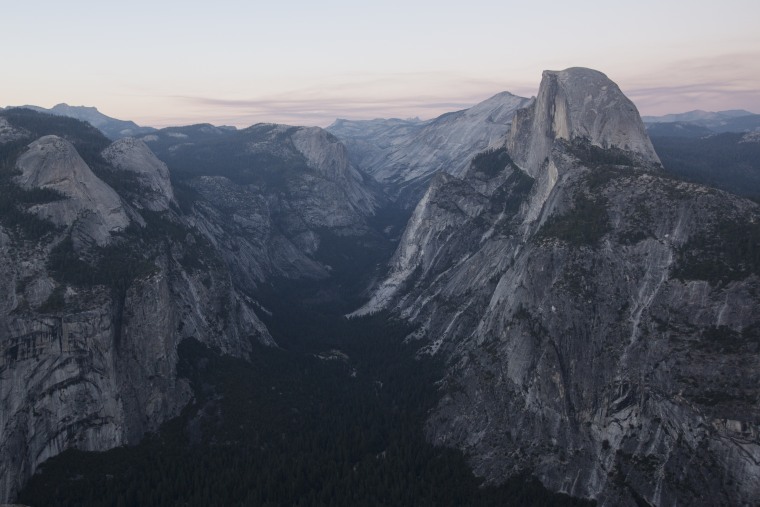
x=697, y=115
x=404, y=154
x=572, y=296
x=114, y=257
x=700, y=123
x=112, y=128
x=595, y=318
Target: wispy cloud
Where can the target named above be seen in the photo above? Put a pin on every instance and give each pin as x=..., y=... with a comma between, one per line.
x=320, y=111
x=402, y=95
x=699, y=83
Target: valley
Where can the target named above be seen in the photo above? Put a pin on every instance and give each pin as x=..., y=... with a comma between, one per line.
x=333, y=418
x=528, y=302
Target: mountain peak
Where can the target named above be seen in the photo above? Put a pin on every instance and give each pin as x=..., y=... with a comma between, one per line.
x=53, y=163
x=578, y=103
x=86, y=113
x=134, y=156
x=112, y=128
x=407, y=153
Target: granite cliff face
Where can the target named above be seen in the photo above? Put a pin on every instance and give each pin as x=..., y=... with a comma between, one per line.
x=267, y=196
x=154, y=190
x=405, y=154
x=92, y=366
x=95, y=209
x=599, y=320
x=106, y=270
x=599, y=325
x=577, y=103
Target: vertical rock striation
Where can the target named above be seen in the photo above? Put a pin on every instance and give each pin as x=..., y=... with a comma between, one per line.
x=596, y=331
x=577, y=103
x=94, y=307
x=92, y=312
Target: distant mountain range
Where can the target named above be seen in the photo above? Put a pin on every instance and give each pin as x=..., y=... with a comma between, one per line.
x=697, y=115
x=538, y=292
x=407, y=153
x=395, y=140
x=700, y=123
x=111, y=127
x=719, y=149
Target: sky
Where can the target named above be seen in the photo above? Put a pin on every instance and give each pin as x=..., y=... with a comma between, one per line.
x=301, y=62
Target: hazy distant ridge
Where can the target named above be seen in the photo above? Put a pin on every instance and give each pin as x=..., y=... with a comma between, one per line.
x=699, y=123
x=113, y=128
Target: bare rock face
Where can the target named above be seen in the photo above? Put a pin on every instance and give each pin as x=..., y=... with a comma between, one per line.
x=244, y=226
x=132, y=155
x=53, y=163
x=271, y=195
x=337, y=195
x=91, y=367
x=89, y=333
x=595, y=331
x=89, y=330
x=447, y=205
x=401, y=153
x=92, y=313
x=329, y=157
x=99, y=370
x=577, y=103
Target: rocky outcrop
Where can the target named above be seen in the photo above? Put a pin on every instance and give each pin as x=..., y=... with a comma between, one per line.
x=53, y=163
x=329, y=157
x=446, y=206
x=577, y=103
x=243, y=225
x=97, y=369
x=271, y=196
x=598, y=321
x=89, y=329
x=401, y=153
x=110, y=127
x=134, y=156
x=588, y=335
x=92, y=312
x=599, y=355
